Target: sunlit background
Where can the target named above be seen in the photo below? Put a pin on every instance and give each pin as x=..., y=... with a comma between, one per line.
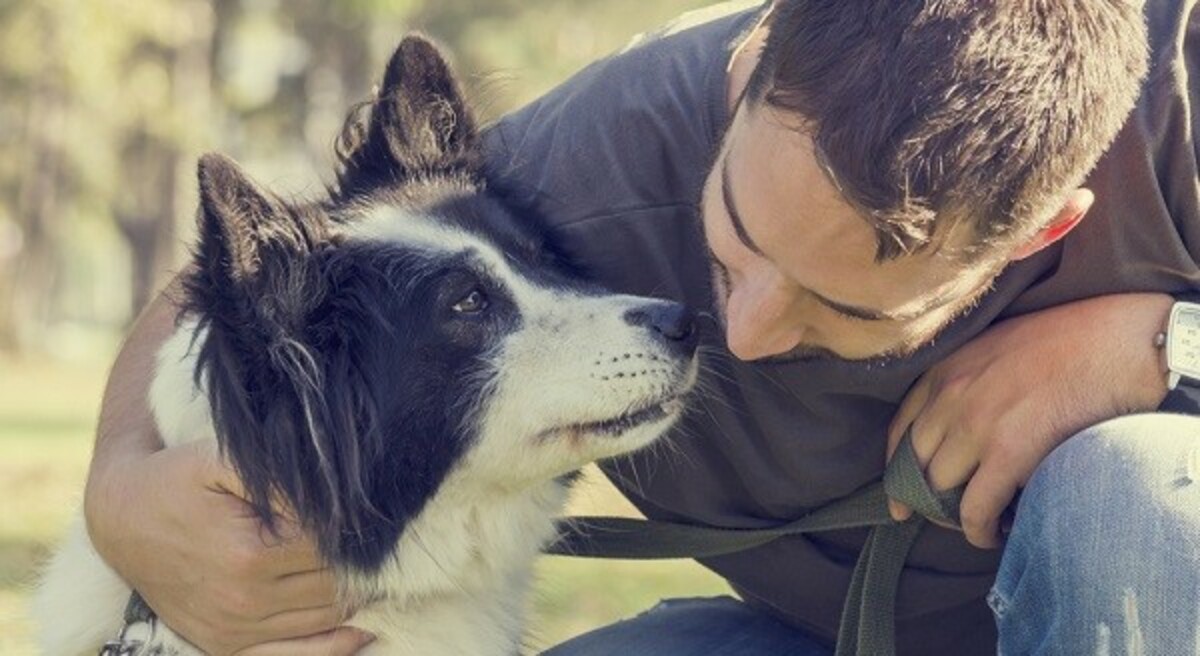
x=104, y=108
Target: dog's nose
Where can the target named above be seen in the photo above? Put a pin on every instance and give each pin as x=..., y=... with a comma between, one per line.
x=673, y=322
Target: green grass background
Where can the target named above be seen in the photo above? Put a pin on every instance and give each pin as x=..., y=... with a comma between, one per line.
x=48, y=410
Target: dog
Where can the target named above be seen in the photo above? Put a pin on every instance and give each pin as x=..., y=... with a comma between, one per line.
x=407, y=365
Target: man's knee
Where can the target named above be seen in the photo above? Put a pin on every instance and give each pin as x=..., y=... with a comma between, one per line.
x=1127, y=465
x=1106, y=543
x=1112, y=495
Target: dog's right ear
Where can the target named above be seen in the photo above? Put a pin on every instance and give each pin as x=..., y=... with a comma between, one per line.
x=256, y=282
x=243, y=230
x=254, y=261
x=418, y=125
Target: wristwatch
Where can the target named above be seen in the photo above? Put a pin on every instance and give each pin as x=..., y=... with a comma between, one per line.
x=1182, y=342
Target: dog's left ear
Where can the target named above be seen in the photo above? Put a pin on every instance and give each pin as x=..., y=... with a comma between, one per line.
x=419, y=124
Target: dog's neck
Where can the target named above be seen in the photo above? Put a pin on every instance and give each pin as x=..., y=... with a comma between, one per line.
x=464, y=562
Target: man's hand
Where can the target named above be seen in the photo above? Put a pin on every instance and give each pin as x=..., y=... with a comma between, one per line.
x=987, y=415
x=173, y=524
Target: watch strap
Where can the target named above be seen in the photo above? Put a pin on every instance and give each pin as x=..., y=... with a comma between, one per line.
x=1187, y=295
x=1184, y=399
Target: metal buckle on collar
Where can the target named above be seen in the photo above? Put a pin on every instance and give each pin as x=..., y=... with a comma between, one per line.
x=120, y=646
x=136, y=612
x=123, y=645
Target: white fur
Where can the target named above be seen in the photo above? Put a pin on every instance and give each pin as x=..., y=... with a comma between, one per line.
x=459, y=576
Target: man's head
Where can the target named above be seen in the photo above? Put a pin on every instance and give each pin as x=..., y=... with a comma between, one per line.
x=886, y=160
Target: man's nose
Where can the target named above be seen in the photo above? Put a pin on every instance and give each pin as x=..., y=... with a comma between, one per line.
x=760, y=326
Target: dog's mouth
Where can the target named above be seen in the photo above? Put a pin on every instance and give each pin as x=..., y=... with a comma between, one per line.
x=616, y=426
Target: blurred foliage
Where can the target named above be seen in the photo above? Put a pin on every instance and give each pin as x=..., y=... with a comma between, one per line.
x=104, y=107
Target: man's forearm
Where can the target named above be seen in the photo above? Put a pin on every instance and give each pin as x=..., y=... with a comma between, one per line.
x=126, y=428
x=1138, y=317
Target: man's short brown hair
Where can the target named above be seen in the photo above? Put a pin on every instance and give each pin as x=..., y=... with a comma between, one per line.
x=930, y=113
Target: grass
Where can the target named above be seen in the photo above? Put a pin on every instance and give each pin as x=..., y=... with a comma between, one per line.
x=47, y=414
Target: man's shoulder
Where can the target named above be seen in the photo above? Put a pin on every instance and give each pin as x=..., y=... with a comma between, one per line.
x=695, y=22
x=631, y=130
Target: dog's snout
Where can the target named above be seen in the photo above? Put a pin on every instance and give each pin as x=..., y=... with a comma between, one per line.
x=673, y=322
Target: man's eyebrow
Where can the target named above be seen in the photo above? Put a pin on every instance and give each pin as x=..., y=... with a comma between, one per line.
x=731, y=210
x=866, y=314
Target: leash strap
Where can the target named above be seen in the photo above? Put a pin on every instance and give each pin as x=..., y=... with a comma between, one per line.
x=868, y=625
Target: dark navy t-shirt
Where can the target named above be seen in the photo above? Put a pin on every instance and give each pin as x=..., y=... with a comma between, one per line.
x=615, y=159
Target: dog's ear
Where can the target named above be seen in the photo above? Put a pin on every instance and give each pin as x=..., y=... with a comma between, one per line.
x=244, y=231
x=419, y=124
x=257, y=285
x=254, y=264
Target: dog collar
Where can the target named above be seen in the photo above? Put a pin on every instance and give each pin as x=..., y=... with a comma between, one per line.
x=137, y=629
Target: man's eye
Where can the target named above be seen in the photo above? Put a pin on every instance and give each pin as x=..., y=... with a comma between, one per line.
x=473, y=303
x=851, y=317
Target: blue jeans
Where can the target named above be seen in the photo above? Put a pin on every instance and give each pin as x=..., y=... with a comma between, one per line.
x=1103, y=559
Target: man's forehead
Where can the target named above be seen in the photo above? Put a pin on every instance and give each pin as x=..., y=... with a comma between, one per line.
x=793, y=209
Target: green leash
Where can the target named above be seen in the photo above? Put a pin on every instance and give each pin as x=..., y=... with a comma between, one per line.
x=868, y=626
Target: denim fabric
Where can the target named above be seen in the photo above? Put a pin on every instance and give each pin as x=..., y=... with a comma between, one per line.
x=1104, y=557
x=1103, y=560
x=717, y=626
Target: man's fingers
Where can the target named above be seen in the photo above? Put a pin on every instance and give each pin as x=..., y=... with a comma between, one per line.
x=307, y=589
x=898, y=511
x=211, y=469
x=339, y=642
x=219, y=476
x=270, y=555
x=910, y=411
x=954, y=462
x=910, y=408
x=303, y=622
x=988, y=493
x=294, y=556
x=928, y=438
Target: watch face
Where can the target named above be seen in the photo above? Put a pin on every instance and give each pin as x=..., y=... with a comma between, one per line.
x=1183, y=341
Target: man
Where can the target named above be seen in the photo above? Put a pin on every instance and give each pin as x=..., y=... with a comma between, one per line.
x=892, y=232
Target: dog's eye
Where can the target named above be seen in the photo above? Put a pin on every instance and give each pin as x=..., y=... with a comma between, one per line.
x=472, y=303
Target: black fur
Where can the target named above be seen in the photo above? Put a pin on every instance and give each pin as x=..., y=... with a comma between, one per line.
x=343, y=386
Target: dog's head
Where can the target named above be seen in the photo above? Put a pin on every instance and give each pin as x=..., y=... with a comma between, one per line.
x=361, y=349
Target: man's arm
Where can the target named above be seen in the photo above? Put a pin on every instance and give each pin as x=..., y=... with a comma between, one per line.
x=170, y=521
x=988, y=415
x=125, y=411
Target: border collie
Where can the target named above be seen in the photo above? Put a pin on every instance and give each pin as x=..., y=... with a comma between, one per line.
x=407, y=367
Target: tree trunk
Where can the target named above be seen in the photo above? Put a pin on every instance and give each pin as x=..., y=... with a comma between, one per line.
x=27, y=298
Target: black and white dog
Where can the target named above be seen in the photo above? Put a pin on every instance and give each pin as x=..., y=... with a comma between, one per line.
x=407, y=368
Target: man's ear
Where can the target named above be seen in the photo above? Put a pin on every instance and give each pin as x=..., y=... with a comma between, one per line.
x=1072, y=212
x=419, y=124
